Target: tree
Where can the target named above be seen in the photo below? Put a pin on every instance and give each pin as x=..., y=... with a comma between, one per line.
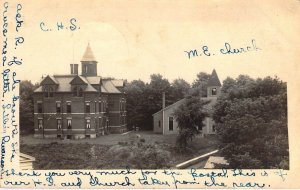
x=189, y=117
x=153, y=95
x=199, y=86
x=135, y=103
x=26, y=106
x=251, y=120
x=179, y=89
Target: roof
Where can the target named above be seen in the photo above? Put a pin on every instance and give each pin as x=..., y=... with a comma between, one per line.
x=64, y=83
x=118, y=82
x=109, y=86
x=88, y=54
x=208, y=107
x=93, y=79
x=49, y=80
x=178, y=103
x=214, y=79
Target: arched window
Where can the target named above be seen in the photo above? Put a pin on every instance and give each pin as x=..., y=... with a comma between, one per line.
x=69, y=123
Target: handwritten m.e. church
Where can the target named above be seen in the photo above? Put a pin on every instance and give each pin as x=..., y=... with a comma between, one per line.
x=79, y=106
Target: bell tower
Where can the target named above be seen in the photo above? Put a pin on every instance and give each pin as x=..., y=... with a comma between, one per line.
x=213, y=85
x=88, y=63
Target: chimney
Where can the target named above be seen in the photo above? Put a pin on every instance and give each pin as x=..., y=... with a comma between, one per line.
x=74, y=69
x=163, y=100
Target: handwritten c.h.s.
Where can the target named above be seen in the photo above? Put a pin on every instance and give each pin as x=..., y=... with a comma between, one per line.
x=70, y=25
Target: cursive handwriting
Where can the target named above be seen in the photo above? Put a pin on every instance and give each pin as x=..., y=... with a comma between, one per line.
x=226, y=50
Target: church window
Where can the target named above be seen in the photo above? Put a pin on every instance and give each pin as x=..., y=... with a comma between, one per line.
x=171, y=123
x=214, y=91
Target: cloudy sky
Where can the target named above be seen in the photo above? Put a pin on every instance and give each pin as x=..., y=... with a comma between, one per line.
x=132, y=40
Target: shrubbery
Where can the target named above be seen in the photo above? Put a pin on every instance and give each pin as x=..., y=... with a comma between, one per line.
x=251, y=117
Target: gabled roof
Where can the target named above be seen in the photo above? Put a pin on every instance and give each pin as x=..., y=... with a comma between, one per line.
x=49, y=80
x=178, y=103
x=88, y=55
x=78, y=80
x=213, y=79
x=93, y=79
x=118, y=82
x=109, y=87
x=208, y=106
x=65, y=82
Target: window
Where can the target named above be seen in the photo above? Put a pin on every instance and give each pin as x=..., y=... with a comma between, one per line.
x=68, y=107
x=48, y=92
x=124, y=109
x=104, y=106
x=159, y=123
x=170, y=123
x=58, y=107
x=214, y=91
x=121, y=106
x=40, y=107
x=80, y=92
x=69, y=123
x=86, y=69
x=77, y=91
x=88, y=123
x=214, y=128
x=100, y=106
x=58, y=123
x=40, y=123
x=87, y=107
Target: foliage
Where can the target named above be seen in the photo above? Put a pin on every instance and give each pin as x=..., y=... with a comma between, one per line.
x=190, y=116
x=251, y=120
x=144, y=99
x=199, y=86
x=26, y=106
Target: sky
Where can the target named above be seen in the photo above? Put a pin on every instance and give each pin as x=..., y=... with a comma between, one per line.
x=134, y=39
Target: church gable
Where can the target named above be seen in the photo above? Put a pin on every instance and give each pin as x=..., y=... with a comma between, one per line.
x=214, y=79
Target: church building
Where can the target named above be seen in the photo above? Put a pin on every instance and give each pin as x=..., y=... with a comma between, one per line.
x=77, y=105
x=165, y=123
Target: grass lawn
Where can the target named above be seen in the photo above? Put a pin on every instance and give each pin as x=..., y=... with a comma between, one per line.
x=115, y=151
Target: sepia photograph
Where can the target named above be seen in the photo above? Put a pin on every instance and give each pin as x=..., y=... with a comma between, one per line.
x=87, y=121
x=150, y=94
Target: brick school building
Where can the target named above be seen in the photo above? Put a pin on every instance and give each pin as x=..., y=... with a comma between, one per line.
x=77, y=105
